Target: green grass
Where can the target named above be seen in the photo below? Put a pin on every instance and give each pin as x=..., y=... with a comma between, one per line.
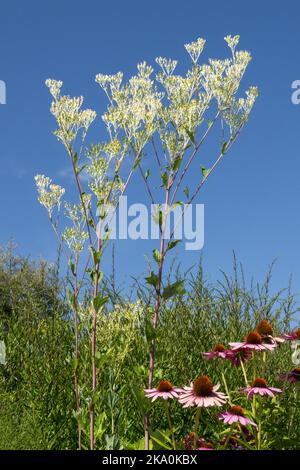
x=36, y=384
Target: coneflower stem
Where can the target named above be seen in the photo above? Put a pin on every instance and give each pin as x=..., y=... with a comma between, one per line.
x=226, y=388
x=170, y=423
x=295, y=408
x=259, y=423
x=197, y=421
x=264, y=361
x=244, y=373
x=228, y=437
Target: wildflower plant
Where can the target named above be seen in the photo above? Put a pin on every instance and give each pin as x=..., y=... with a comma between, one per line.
x=130, y=119
x=182, y=116
x=167, y=114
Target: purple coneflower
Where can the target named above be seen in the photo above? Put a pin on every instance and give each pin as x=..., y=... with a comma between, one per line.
x=295, y=336
x=164, y=390
x=202, y=393
x=253, y=341
x=292, y=377
x=266, y=331
x=260, y=387
x=236, y=414
x=218, y=351
x=237, y=356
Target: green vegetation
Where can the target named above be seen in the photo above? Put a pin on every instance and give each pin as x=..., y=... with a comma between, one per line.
x=37, y=382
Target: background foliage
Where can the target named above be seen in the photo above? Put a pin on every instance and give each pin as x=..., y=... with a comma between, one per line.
x=36, y=385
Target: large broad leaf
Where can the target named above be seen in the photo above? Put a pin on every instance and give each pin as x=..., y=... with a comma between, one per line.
x=152, y=280
x=100, y=301
x=177, y=288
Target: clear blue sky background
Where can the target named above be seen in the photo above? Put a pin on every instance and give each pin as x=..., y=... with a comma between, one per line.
x=252, y=201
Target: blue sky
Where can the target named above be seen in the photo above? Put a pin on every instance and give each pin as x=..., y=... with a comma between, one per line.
x=252, y=202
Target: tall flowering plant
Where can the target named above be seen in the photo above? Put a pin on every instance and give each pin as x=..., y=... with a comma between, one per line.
x=170, y=115
x=100, y=180
x=182, y=111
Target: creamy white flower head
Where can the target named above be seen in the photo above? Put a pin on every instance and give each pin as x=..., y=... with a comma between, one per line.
x=68, y=114
x=138, y=108
x=238, y=113
x=49, y=194
x=167, y=65
x=54, y=87
x=232, y=42
x=144, y=69
x=74, y=239
x=195, y=48
x=112, y=82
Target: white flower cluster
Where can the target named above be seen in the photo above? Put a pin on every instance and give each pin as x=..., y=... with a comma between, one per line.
x=138, y=109
x=195, y=49
x=168, y=65
x=237, y=115
x=134, y=107
x=101, y=157
x=68, y=114
x=76, y=235
x=49, y=194
x=232, y=42
x=172, y=105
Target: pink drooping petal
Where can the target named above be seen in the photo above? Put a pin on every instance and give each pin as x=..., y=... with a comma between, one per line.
x=154, y=398
x=233, y=419
x=199, y=401
x=208, y=355
x=276, y=390
x=189, y=403
x=236, y=345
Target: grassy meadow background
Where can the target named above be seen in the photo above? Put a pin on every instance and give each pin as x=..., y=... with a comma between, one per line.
x=36, y=385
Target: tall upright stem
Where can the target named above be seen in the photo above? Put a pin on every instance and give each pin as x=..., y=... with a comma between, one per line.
x=156, y=308
x=76, y=378
x=93, y=352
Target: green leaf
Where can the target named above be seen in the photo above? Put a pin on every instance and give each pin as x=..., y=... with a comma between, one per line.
x=172, y=244
x=176, y=164
x=177, y=203
x=152, y=280
x=147, y=174
x=100, y=301
x=191, y=136
x=96, y=255
x=160, y=217
x=165, y=179
x=156, y=255
x=80, y=169
x=161, y=440
x=205, y=171
x=177, y=288
x=224, y=147
x=72, y=267
x=71, y=297
x=136, y=164
x=150, y=331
